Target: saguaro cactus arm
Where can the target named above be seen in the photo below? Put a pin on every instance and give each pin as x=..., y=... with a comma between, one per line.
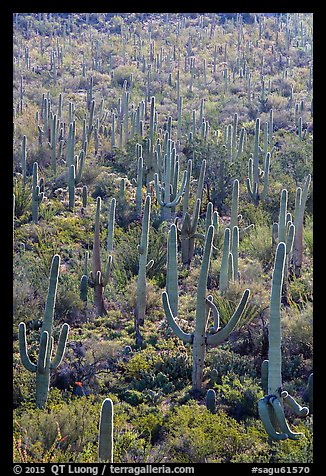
x=295, y=406
x=23, y=349
x=222, y=334
x=216, y=314
x=172, y=322
x=42, y=356
x=178, y=196
x=61, y=346
x=279, y=413
x=263, y=410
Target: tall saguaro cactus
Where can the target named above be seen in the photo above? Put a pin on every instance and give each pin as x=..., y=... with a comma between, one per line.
x=236, y=218
x=300, y=204
x=45, y=362
x=200, y=338
x=283, y=231
x=105, y=438
x=98, y=279
x=254, y=171
x=143, y=267
x=271, y=407
x=37, y=193
x=24, y=159
x=169, y=197
x=187, y=232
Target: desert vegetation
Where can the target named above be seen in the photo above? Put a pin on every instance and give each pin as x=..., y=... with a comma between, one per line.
x=163, y=237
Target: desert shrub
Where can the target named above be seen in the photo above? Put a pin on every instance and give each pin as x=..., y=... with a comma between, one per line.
x=122, y=74
x=294, y=159
x=127, y=255
x=106, y=185
x=308, y=237
x=165, y=368
x=257, y=244
x=187, y=428
x=224, y=360
x=69, y=426
x=23, y=200
x=148, y=421
x=297, y=330
x=300, y=290
x=240, y=394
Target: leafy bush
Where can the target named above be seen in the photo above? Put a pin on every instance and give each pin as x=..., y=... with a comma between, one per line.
x=240, y=394
x=187, y=431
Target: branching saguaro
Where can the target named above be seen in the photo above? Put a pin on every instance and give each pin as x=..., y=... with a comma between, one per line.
x=45, y=362
x=99, y=279
x=201, y=338
x=271, y=407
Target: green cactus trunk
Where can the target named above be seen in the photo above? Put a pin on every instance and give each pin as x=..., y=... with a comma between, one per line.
x=44, y=364
x=271, y=407
x=172, y=270
x=143, y=250
x=300, y=205
x=97, y=271
x=199, y=342
x=105, y=439
x=274, y=354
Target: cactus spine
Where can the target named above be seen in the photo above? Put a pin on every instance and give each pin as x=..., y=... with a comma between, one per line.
x=271, y=407
x=44, y=364
x=200, y=338
x=105, y=439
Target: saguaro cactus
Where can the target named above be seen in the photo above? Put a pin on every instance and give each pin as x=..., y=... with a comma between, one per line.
x=169, y=197
x=236, y=218
x=24, y=159
x=45, y=364
x=284, y=231
x=300, y=204
x=98, y=279
x=105, y=437
x=229, y=255
x=255, y=173
x=187, y=233
x=271, y=407
x=143, y=267
x=54, y=129
x=37, y=193
x=211, y=400
x=139, y=185
x=201, y=338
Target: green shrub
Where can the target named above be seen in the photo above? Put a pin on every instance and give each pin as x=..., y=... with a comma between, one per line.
x=187, y=430
x=240, y=394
